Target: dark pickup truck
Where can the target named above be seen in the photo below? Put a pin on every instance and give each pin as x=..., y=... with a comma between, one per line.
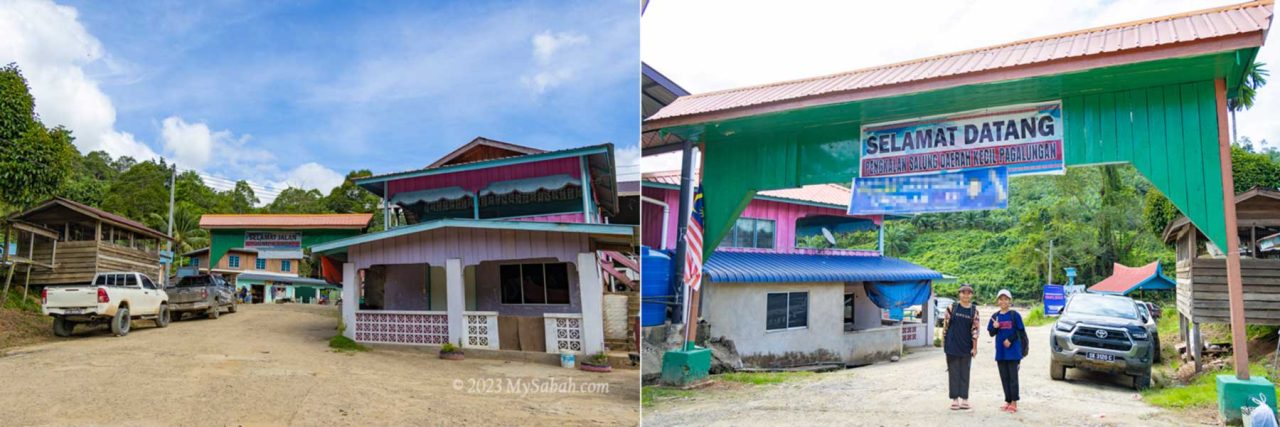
x=201, y=293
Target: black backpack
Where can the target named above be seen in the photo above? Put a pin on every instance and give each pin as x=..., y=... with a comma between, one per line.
x=1022, y=337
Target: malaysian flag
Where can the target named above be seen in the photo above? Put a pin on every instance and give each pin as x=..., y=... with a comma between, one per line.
x=693, y=244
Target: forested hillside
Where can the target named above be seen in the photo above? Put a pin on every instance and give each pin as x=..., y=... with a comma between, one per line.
x=37, y=162
x=1095, y=216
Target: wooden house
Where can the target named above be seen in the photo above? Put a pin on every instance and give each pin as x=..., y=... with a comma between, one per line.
x=88, y=240
x=1202, y=268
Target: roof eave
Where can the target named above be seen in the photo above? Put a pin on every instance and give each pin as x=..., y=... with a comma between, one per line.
x=1067, y=65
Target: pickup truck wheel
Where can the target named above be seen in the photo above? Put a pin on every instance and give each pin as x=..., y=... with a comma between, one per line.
x=214, y=312
x=121, y=323
x=63, y=327
x=1155, y=344
x=1057, y=372
x=162, y=318
x=1142, y=382
x=175, y=316
x=232, y=307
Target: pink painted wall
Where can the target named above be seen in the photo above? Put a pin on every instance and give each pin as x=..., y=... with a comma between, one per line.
x=575, y=217
x=485, y=249
x=784, y=215
x=475, y=180
x=471, y=245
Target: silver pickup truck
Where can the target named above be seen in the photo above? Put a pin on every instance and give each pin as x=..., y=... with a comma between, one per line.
x=1103, y=333
x=201, y=293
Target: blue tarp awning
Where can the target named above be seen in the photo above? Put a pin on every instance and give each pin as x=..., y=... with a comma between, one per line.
x=731, y=267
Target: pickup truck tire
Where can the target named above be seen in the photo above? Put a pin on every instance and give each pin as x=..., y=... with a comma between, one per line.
x=121, y=323
x=1142, y=382
x=232, y=307
x=1057, y=372
x=162, y=318
x=63, y=327
x=214, y=312
x=1155, y=345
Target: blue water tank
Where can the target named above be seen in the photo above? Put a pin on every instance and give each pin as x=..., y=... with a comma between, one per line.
x=655, y=286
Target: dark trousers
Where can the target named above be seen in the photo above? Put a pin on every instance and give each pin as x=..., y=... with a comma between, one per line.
x=1009, y=378
x=958, y=375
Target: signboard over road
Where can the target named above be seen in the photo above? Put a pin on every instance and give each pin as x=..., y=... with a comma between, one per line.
x=1026, y=138
x=969, y=190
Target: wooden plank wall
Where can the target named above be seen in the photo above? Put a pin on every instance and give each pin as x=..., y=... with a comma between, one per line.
x=76, y=262
x=1208, y=290
x=112, y=257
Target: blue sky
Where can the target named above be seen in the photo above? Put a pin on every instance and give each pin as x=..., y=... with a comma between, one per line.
x=299, y=93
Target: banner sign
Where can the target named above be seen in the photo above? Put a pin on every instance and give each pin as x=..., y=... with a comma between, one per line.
x=273, y=240
x=1055, y=297
x=969, y=190
x=1025, y=138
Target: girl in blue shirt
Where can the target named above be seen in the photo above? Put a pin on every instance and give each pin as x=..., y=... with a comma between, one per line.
x=1005, y=326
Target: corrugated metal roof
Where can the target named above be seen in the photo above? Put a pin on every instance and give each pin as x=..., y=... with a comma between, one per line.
x=355, y=220
x=119, y=220
x=1167, y=30
x=828, y=194
x=1126, y=279
x=736, y=267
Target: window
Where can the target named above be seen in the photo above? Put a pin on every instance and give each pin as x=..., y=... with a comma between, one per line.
x=234, y=261
x=284, y=265
x=195, y=262
x=750, y=233
x=260, y=264
x=147, y=283
x=130, y=281
x=849, y=302
x=787, y=310
x=534, y=283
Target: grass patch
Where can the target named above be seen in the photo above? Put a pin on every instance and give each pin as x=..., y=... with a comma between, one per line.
x=1200, y=393
x=759, y=378
x=342, y=343
x=651, y=394
x=1037, y=318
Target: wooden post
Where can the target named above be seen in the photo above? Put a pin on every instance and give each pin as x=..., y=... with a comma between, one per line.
x=1235, y=289
x=1197, y=350
x=26, y=284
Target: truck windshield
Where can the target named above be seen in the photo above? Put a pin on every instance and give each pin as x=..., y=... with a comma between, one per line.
x=193, y=281
x=1103, y=306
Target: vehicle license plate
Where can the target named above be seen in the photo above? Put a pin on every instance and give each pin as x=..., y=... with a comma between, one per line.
x=1100, y=357
x=73, y=311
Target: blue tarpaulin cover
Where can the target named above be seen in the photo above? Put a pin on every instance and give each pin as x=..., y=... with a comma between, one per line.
x=898, y=295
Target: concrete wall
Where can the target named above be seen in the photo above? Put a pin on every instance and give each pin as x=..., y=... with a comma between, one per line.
x=488, y=291
x=866, y=314
x=737, y=311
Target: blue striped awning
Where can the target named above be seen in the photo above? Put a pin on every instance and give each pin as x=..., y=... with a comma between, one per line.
x=729, y=267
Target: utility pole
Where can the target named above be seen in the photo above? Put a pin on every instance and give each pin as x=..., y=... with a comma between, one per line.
x=1050, y=262
x=173, y=181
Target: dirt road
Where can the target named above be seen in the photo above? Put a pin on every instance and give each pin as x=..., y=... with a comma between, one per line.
x=913, y=392
x=271, y=365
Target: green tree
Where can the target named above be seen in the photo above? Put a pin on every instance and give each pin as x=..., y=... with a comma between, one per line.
x=242, y=198
x=1255, y=78
x=34, y=161
x=297, y=201
x=350, y=198
x=141, y=193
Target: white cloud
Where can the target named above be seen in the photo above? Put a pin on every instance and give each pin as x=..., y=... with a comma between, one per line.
x=311, y=176
x=815, y=38
x=552, y=67
x=627, y=162
x=52, y=47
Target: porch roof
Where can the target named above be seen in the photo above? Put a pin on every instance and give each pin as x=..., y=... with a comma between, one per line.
x=729, y=267
x=614, y=230
x=290, y=279
x=1127, y=279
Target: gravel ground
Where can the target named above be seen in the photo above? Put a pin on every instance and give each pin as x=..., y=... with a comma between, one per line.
x=913, y=392
x=271, y=365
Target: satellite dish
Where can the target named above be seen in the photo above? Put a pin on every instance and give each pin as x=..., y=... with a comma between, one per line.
x=830, y=238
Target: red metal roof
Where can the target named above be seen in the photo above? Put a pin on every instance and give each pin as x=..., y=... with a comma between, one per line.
x=830, y=194
x=1163, y=31
x=1124, y=279
x=340, y=221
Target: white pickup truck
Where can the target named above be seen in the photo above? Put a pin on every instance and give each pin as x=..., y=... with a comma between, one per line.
x=117, y=298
